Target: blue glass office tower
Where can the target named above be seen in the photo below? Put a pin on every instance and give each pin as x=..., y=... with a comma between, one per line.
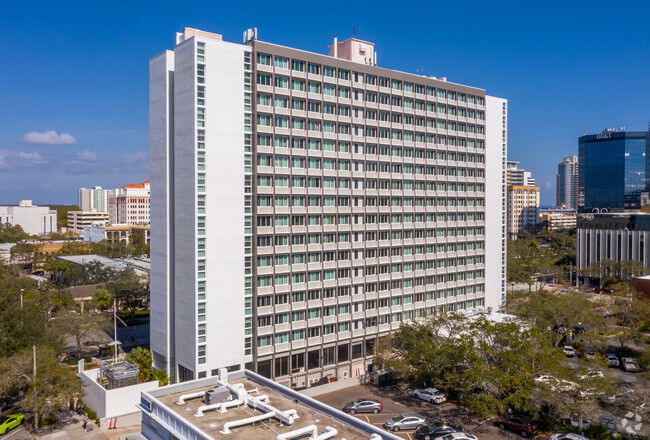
x=612, y=170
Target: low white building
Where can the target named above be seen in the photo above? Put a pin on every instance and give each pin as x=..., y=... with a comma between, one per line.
x=79, y=220
x=35, y=220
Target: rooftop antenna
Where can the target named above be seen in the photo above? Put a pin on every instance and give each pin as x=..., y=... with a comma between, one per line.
x=354, y=32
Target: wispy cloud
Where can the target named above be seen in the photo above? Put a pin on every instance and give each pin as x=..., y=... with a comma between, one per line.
x=87, y=155
x=49, y=137
x=21, y=159
x=138, y=157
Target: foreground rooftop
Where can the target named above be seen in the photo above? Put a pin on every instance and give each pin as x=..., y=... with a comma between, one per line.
x=184, y=407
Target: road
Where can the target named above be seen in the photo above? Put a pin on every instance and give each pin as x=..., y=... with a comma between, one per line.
x=133, y=335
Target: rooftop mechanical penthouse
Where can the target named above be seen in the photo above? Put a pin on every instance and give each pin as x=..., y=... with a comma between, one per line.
x=304, y=205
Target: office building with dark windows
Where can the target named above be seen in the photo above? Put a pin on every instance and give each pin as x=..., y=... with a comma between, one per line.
x=612, y=170
x=305, y=204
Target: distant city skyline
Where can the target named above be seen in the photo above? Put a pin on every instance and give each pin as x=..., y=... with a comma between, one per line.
x=75, y=97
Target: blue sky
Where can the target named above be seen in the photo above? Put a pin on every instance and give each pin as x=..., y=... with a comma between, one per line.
x=81, y=68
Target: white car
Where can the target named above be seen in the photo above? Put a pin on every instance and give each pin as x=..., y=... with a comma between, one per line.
x=430, y=395
x=459, y=436
x=569, y=436
x=569, y=351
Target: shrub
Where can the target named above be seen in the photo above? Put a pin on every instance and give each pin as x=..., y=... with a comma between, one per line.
x=92, y=415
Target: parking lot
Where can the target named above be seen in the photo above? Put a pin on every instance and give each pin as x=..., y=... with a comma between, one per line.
x=397, y=399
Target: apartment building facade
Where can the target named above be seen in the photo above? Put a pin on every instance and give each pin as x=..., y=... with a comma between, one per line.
x=94, y=198
x=130, y=204
x=308, y=204
x=522, y=201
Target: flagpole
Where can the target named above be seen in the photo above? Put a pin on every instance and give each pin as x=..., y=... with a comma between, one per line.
x=115, y=327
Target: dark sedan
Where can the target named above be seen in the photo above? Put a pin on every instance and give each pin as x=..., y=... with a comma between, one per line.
x=435, y=430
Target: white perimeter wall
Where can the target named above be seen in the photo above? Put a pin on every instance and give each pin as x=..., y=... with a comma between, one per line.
x=495, y=234
x=112, y=403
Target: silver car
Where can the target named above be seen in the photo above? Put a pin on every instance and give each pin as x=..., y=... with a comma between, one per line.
x=363, y=405
x=430, y=395
x=629, y=365
x=405, y=421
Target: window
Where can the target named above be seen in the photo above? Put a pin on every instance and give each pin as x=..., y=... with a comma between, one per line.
x=264, y=59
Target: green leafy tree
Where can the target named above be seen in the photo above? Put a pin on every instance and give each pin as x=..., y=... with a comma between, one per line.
x=137, y=244
x=130, y=289
x=111, y=248
x=493, y=362
x=102, y=299
x=12, y=233
x=80, y=326
x=161, y=376
x=528, y=259
x=569, y=309
x=630, y=313
x=48, y=391
x=142, y=358
x=74, y=248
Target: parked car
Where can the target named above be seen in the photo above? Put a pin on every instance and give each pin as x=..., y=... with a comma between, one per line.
x=434, y=430
x=568, y=436
x=629, y=365
x=458, y=436
x=612, y=360
x=521, y=424
x=591, y=374
x=589, y=353
x=10, y=422
x=405, y=421
x=363, y=405
x=5, y=410
x=430, y=395
x=569, y=351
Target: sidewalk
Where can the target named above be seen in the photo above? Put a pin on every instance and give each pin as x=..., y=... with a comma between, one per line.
x=71, y=429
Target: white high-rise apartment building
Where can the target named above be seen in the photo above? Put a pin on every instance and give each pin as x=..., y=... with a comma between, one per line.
x=518, y=176
x=304, y=205
x=567, y=183
x=95, y=199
